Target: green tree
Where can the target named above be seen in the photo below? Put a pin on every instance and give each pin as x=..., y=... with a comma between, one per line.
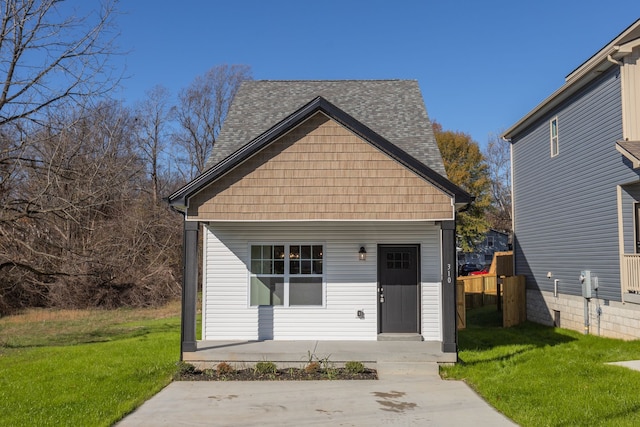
x=466, y=167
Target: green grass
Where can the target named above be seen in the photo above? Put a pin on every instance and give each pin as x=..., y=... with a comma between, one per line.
x=543, y=376
x=84, y=368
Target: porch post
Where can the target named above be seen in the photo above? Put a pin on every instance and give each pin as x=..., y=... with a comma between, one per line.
x=449, y=272
x=189, y=286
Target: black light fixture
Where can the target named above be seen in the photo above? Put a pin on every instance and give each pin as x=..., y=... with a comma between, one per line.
x=362, y=254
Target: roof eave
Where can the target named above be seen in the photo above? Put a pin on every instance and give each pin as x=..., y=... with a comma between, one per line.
x=635, y=160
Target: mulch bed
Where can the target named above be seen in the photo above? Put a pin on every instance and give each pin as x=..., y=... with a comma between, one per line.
x=288, y=374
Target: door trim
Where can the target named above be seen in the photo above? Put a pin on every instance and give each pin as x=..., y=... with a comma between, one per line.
x=418, y=282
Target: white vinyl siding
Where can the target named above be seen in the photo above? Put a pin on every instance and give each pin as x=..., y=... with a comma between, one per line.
x=350, y=284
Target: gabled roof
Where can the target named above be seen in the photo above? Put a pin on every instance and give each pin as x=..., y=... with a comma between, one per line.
x=319, y=104
x=394, y=109
x=607, y=57
x=631, y=150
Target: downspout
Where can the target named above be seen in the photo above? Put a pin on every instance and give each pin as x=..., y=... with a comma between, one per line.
x=586, y=316
x=513, y=209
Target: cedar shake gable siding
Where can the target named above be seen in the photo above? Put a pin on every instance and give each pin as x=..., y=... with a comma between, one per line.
x=394, y=109
x=320, y=170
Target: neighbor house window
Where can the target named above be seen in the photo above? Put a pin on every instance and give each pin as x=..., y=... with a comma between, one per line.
x=490, y=241
x=287, y=275
x=553, y=133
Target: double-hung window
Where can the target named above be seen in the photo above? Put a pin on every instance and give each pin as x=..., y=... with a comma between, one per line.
x=553, y=135
x=287, y=275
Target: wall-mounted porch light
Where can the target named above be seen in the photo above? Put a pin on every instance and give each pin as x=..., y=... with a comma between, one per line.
x=362, y=254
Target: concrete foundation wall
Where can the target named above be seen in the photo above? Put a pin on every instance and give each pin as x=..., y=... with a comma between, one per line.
x=616, y=320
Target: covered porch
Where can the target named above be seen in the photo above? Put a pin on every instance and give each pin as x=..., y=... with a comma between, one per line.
x=295, y=352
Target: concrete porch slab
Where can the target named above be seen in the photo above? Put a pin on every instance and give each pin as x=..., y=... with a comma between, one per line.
x=296, y=353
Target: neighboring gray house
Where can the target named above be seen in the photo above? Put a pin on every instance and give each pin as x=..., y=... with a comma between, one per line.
x=493, y=241
x=327, y=215
x=576, y=196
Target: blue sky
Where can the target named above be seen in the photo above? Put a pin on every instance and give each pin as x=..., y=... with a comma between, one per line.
x=481, y=65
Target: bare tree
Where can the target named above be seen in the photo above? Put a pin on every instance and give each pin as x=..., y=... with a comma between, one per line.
x=154, y=116
x=202, y=108
x=48, y=58
x=76, y=227
x=83, y=233
x=498, y=158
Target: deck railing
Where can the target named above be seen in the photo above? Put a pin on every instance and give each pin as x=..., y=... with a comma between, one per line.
x=631, y=273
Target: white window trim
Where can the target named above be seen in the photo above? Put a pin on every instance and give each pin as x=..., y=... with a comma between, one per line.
x=287, y=275
x=554, y=144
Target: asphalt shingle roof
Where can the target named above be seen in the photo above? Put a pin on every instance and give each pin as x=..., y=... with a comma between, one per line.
x=392, y=108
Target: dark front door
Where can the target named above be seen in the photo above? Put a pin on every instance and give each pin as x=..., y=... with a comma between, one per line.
x=398, y=290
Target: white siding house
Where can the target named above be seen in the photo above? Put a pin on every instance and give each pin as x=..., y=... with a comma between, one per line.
x=326, y=215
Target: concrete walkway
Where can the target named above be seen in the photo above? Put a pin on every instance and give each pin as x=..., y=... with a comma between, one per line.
x=407, y=394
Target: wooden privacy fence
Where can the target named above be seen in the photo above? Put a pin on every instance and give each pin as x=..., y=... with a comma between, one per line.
x=511, y=289
x=499, y=287
x=461, y=311
x=480, y=290
x=514, y=309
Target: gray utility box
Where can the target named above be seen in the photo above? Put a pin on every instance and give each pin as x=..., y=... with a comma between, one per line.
x=585, y=279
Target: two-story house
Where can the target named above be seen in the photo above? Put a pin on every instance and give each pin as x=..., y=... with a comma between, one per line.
x=576, y=196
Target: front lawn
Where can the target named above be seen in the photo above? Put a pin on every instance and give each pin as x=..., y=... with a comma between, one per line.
x=543, y=376
x=84, y=367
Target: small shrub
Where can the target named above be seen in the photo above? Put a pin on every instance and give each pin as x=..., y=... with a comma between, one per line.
x=353, y=367
x=224, y=368
x=331, y=373
x=185, y=368
x=266, y=368
x=312, y=368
